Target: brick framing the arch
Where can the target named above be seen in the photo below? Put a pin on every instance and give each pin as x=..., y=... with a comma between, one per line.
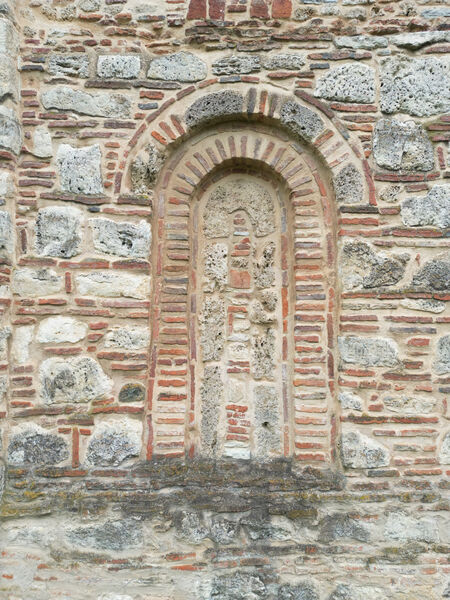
x=221, y=149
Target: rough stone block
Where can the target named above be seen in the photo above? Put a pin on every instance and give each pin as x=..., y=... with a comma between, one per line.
x=36, y=282
x=68, y=65
x=263, y=355
x=232, y=587
x=10, y=131
x=435, y=274
x=418, y=39
x=345, y=591
x=22, y=339
x=236, y=65
x=6, y=234
x=114, y=442
x=214, y=106
x=348, y=185
x=58, y=231
x=408, y=405
x=211, y=391
x=9, y=39
x=361, y=452
x=113, y=285
x=9, y=79
x=79, y=379
x=267, y=421
x=42, y=142
x=118, y=66
x=350, y=401
x=118, y=535
x=432, y=209
x=181, y=66
x=361, y=42
x=145, y=170
x=424, y=304
x=442, y=359
x=80, y=169
x=121, y=238
x=348, y=83
x=369, y=352
x=402, y=145
x=305, y=590
x=132, y=392
x=444, y=453
x=61, y=329
x=285, y=62
x=63, y=97
x=130, y=338
x=30, y=444
x=416, y=86
x=361, y=266
x=341, y=525
x=212, y=327
x=301, y=120
x=406, y=528
x=5, y=333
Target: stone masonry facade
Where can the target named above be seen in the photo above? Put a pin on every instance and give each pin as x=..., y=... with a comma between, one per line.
x=224, y=291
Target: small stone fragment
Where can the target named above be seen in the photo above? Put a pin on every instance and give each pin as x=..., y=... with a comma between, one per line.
x=118, y=66
x=58, y=231
x=132, y=392
x=36, y=282
x=80, y=169
x=409, y=405
x=280, y=61
x=22, y=339
x=236, y=65
x=361, y=42
x=68, y=65
x=361, y=452
x=61, y=329
x=42, y=142
x=263, y=355
x=444, y=454
x=348, y=185
x=348, y=83
x=425, y=305
x=230, y=587
x=442, y=360
x=402, y=145
x=369, y=352
x=114, y=442
x=350, y=401
x=129, y=338
x=181, y=66
x=340, y=525
x=263, y=270
x=6, y=234
x=145, y=170
x=10, y=131
x=121, y=238
x=30, y=444
x=306, y=590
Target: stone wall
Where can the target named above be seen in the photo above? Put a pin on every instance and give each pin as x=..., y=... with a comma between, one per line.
x=225, y=275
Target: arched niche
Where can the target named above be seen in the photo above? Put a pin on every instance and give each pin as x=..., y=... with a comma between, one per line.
x=206, y=399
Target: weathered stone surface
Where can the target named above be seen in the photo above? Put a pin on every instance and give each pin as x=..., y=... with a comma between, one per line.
x=418, y=39
x=369, y=352
x=130, y=338
x=10, y=131
x=425, y=305
x=121, y=238
x=444, y=454
x=263, y=355
x=144, y=170
x=211, y=391
x=432, y=209
x=80, y=169
x=442, y=359
x=301, y=120
x=60, y=329
x=345, y=591
x=267, y=421
x=68, y=65
x=285, y=62
x=216, y=267
x=214, y=107
x=116, y=535
x=305, y=590
x=231, y=587
x=79, y=379
x=58, y=231
x=402, y=527
x=435, y=274
x=341, y=525
x=390, y=193
x=118, y=66
x=348, y=83
x=365, y=42
x=212, y=327
x=236, y=65
x=263, y=268
x=63, y=97
x=30, y=444
x=36, y=282
x=238, y=194
x=348, y=185
x=5, y=334
x=181, y=66
x=402, y=145
x=416, y=86
x=415, y=405
x=114, y=442
x=89, y=5
x=22, y=338
x=350, y=401
x=361, y=266
x=42, y=142
x=6, y=185
x=190, y=526
x=9, y=38
x=132, y=392
x=9, y=79
x=113, y=285
x=6, y=234
x=361, y=452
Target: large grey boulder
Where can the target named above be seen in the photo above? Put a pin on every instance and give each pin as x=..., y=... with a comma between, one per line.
x=63, y=97
x=214, y=106
x=416, y=86
x=352, y=82
x=432, y=209
x=402, y=145
x=348, y=185
x=301, y=120
x=181, y=66
x=80, y=169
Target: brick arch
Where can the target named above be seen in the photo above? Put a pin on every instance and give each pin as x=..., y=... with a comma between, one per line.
x=308, y=324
